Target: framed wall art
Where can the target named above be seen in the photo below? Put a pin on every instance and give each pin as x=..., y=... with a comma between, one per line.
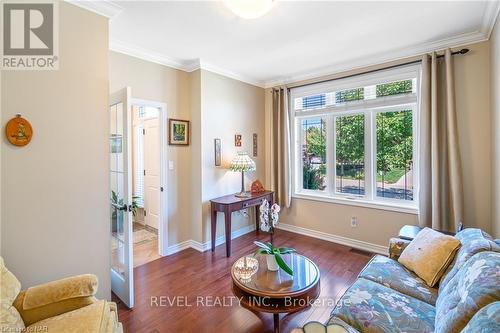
x=237, y=140
x=217, y=151
x=255, y=147
x=178, y=132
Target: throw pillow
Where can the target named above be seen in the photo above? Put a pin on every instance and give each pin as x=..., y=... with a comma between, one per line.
x=429, y=254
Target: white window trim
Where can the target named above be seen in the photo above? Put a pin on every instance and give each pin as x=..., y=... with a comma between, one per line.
x=370, y=108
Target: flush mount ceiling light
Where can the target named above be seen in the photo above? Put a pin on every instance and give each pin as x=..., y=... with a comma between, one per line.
x=249, y=9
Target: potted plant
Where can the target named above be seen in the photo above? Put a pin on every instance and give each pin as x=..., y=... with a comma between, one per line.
x=269, y=217
x=116, y=201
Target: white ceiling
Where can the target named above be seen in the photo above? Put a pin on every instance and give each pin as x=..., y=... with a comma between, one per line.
x=295, y=40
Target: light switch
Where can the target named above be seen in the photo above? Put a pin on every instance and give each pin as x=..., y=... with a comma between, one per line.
x=170, y=165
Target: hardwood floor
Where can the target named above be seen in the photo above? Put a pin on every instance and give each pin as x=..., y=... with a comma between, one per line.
x=189, y=277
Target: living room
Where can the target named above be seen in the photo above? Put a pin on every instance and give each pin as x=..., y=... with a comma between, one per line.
x=373, y=127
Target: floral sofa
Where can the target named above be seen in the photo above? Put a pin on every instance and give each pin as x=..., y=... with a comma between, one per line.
x=387, y=297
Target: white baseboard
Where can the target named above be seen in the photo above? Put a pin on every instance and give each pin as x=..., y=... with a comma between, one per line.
x=335, y=239
x=178, y=247
x=357, y=244
x=202, y=247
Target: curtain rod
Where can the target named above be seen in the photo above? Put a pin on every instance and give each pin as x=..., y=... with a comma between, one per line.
x=462, y=51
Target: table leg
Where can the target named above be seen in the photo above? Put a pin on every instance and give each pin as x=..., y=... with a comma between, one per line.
x=257, y=220
x=227, y=219
x=214, y=225
x=276, y=317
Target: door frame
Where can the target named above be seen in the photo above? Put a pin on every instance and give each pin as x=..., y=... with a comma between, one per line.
x=162, y=118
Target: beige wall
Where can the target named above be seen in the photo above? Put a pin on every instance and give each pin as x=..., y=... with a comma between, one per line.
x=495, y=128
x=158, y=83
x=473, y=117
x=229, y=107
x=472, y=80
x=196, y=157
x=55, y=191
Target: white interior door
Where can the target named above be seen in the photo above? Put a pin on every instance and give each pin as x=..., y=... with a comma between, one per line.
x=152, y=172
x=122, y=275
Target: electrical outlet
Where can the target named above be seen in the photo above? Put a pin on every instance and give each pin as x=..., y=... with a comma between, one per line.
x=354, y=222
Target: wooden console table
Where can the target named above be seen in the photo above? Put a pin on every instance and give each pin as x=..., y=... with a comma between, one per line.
x=231, y=203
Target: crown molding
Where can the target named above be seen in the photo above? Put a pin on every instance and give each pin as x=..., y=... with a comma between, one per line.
x=489, y=17
x=380, y=58
x=106, y=8
x=148, y=55
x=232, y=75
x=187, y=66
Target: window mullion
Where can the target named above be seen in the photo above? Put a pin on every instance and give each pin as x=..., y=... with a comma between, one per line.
x=373, y=155
x=330, y=153
x=368, y=156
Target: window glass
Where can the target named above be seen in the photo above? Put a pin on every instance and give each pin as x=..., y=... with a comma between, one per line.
x=314, y=153
x=350, y=154
x=394, y=88
x=349, y=95
x=395, y=155
x=313, y=101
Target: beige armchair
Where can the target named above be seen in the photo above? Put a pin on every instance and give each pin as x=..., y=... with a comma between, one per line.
x=67, y=305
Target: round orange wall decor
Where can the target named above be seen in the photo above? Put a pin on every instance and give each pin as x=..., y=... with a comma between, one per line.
x=19, y=131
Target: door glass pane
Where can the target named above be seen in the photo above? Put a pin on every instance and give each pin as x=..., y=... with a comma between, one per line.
x=117, y=189
x=350, y=154
x=313, y=154
x=395, y=155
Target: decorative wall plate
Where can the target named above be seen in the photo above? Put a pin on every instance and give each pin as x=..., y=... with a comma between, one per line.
x=18, y=131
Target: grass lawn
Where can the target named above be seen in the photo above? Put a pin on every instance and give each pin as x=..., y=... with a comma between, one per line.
x=391, y=176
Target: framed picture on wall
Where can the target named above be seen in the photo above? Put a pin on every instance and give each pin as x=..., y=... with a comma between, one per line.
x=237, y=140
x=255, y=148
x=178, y=132
x=217, y=149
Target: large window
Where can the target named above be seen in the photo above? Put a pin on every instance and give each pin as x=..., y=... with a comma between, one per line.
x=355, y=139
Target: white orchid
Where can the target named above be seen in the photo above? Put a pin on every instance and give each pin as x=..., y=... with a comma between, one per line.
x=269, y=216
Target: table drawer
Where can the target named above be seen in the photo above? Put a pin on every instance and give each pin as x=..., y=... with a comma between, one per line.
x=251, y=203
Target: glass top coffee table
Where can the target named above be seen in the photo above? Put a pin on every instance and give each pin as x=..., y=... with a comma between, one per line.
x=275, y=291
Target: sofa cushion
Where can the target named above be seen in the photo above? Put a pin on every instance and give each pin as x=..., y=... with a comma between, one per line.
x=473, y=287
x=93, y=318
x=55, y=291
x=10, y=286
x=10, y=319
x=371, y=307
x=429, y=254
x=392, y=274
x=487, y=320
x=473, y=241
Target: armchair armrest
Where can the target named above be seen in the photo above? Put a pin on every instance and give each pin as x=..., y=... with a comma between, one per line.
x=396, y=247
x=56, y=297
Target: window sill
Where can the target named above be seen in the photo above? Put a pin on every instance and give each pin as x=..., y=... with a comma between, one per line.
x=389, y=206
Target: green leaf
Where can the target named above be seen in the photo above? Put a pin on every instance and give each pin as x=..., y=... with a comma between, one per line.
x=286, y=250
x=261, y=251
x=282, y=264
x=263, y=246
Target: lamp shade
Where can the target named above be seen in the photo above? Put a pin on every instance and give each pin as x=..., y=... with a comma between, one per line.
x=242, y=163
